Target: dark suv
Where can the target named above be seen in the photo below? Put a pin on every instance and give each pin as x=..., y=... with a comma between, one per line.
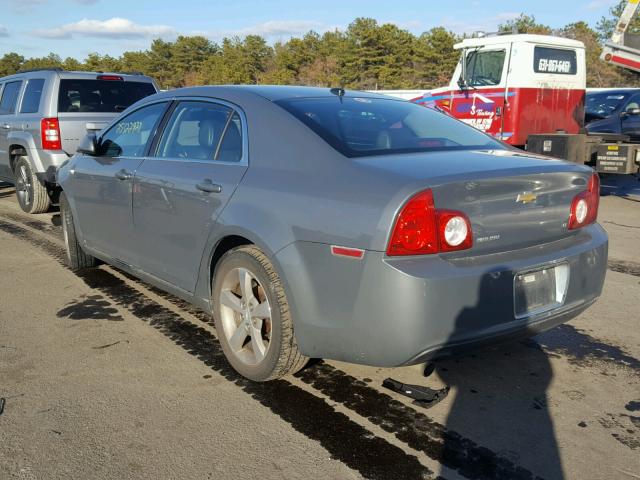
x=615, y=110
x=43, y=116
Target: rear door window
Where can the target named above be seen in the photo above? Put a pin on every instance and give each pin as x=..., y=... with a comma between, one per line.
x=9, y=98
x=32, y=96
x=107, y=96
x=202, y=131
x=130, y=135
x=554, y=60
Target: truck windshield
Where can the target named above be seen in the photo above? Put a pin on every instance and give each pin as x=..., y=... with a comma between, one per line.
x=100, y=95
x=484, y=68
x=603, y=104
x=375, y=126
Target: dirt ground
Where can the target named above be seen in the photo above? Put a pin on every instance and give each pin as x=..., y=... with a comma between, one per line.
x=105, y=377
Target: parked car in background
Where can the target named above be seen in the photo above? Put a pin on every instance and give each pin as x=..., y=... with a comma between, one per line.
x=43, y=116
x=334, y=224
x=615, y=110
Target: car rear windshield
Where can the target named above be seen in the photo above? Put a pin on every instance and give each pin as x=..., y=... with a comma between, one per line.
x=100, y=95
x=365, y=126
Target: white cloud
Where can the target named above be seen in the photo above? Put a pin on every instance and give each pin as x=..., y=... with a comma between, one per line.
x=3, y=31
x=274, y=29
x=24, y=6
x=598, y=4
x=486, y=24
x=118, y=28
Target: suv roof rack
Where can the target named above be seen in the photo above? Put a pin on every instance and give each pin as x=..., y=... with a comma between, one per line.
x=49, y=69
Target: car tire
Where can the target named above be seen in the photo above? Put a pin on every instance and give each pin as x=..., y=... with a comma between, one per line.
x=77, y=259
x=31, y=194
x=266, y=349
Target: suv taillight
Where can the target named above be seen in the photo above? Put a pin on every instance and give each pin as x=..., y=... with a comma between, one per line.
x=420, y=228
x=584, y=207
x=50, y=132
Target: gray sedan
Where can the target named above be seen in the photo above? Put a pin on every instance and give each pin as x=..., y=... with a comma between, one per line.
x=334, y=224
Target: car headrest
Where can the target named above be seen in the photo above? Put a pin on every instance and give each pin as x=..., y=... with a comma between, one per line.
x=208, y=133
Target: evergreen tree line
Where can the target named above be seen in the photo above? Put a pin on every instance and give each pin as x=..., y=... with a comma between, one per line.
x=367, y=55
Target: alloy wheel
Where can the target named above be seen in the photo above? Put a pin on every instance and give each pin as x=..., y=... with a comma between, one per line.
x=24, y=189
x=246, y=316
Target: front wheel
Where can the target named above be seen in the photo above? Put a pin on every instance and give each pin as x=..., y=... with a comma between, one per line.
x=77, y=259
x=252, y=318
x=32, y=195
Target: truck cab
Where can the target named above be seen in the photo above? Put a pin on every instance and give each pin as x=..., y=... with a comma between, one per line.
x=512, y=86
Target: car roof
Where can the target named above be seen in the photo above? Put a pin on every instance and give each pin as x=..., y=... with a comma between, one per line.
x=74, y=75
x=612, y=91
x=270, y=92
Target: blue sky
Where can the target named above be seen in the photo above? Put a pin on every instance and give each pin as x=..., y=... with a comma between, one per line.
x=77, y=27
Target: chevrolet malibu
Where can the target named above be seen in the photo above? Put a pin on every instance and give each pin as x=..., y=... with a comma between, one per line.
x=334, y=224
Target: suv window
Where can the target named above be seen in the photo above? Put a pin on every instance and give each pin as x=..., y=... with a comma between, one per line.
x=9, y=97
x=484, y=68
x=32, y=95
x=374, y=126
x=129, y=136
x=100, y=95
x=202, y=131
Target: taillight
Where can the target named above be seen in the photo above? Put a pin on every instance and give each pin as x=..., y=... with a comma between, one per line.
x=420, y=228
x=50, y=132
x=584, y=206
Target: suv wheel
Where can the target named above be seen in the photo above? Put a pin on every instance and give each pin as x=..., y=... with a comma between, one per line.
x=252, y=318
x=32, y=195
x=77, y=259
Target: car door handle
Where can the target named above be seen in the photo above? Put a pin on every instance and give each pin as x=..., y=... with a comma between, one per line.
x=6, y=126
x=123, y=175
x=208, y=186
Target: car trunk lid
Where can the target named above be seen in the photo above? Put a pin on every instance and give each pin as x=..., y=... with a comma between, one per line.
x=513, y=200
x=512, y=212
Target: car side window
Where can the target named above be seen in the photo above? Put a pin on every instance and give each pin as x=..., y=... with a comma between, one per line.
x=32, y=96
x=202, y=131
x=9, y=97
x=230, y=148
x=130, y=135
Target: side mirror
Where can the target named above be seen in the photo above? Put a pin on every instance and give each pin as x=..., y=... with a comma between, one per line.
x=88, y=145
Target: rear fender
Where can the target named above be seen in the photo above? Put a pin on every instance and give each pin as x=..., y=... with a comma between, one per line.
x=26, y=141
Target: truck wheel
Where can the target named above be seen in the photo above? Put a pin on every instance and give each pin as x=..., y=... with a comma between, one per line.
x=32, y=195
x=77, y=259
x=252, y=317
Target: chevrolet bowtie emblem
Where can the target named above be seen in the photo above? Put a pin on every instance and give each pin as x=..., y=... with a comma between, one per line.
x=526, y=197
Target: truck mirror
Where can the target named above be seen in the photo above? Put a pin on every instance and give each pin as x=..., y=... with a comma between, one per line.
x=88, y=145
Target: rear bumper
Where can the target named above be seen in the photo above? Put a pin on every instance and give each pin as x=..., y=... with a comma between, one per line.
x=396, y=311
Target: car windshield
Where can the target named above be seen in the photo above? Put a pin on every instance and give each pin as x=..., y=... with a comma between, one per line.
x=375, y=126
x=603, y=104
x=101, y=95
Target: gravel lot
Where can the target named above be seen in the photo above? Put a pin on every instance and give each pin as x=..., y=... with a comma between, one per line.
x=105, y=377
